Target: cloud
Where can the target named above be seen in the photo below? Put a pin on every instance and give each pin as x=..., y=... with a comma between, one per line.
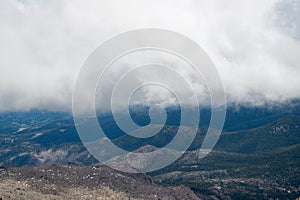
x=254, y=44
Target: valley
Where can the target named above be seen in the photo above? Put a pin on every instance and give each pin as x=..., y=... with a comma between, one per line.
x=261, y=161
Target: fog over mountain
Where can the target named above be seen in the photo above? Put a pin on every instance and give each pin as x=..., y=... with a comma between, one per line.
x=255, y=45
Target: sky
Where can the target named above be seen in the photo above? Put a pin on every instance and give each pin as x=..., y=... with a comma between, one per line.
x=255, y=45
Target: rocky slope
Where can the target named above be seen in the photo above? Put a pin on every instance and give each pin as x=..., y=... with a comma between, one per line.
x=82, y=182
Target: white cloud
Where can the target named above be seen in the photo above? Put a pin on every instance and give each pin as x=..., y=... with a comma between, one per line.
x=254, y=44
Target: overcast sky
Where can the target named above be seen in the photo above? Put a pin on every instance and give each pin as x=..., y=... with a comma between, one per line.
x=255, y=45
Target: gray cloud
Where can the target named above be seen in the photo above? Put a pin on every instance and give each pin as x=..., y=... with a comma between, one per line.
x=254, y=44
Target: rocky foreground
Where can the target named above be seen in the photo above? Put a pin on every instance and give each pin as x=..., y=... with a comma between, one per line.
x=82, y=182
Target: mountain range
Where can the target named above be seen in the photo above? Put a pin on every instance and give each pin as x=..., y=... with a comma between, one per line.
x=256, y=157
